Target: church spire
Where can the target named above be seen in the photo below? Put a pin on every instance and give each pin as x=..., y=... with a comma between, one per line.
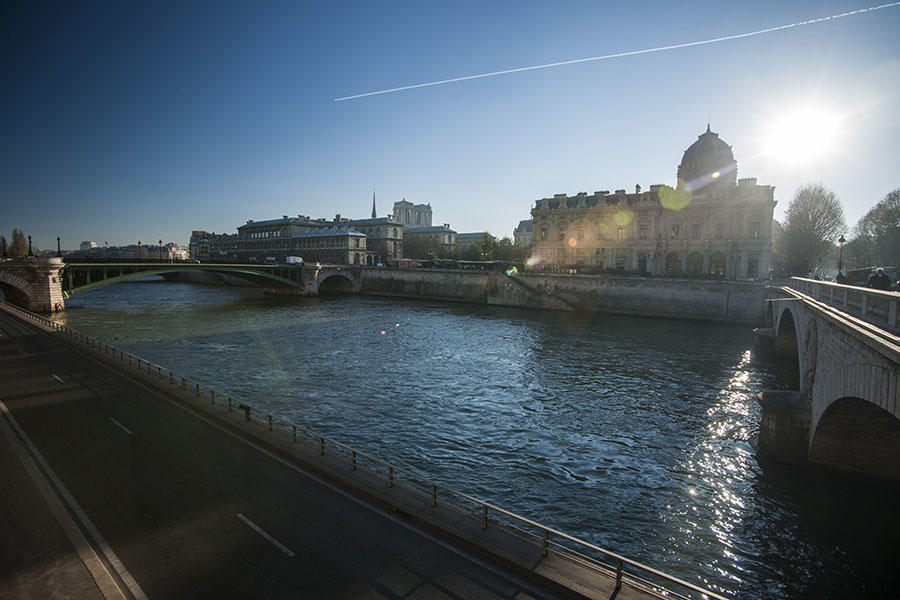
x=374, y=214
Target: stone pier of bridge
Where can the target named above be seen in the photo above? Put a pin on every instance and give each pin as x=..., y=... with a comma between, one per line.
x=33, y=283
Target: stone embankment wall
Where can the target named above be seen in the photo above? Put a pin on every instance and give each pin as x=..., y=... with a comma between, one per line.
x=726, y=301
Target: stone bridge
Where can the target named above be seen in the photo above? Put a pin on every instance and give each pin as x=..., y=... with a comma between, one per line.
x=844, y=408
x=44, y=284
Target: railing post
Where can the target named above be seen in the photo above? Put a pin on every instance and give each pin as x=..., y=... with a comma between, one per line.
x=433, y=495
x=159, y=372
x=229, y=403
x=546, y=544
x=390, y=476
x=484, y=516
x=862, y=304
x=270, y=422
x=294, y=432
x=892, y=312
x=619, y=575
x=353, y=460
x=198, y=389
x=182, y=383
x=321, y=446
x=129, y=359
x=246, y=412
x=212, y=396
x=171, y=378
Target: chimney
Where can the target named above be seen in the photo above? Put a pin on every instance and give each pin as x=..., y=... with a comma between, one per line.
x=637, y=188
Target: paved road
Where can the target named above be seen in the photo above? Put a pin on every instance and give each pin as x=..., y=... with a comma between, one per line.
x=189, y=510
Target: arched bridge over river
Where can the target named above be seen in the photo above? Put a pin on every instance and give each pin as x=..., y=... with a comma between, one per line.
x=844, y=408
x=43, y=285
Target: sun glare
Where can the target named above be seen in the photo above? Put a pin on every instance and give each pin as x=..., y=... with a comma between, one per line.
x=803, y=136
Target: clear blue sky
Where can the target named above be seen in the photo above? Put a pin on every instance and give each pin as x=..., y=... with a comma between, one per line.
x=128, y=121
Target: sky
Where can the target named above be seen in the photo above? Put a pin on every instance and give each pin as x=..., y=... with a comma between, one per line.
x=144, y=121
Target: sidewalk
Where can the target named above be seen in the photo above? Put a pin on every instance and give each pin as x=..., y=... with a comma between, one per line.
x=37, y=559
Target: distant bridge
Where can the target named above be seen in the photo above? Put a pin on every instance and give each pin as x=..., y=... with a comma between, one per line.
x=43, y=285
x=844, y=409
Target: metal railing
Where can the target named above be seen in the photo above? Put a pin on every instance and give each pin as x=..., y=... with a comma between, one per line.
x=875, y=306
x=549, y=540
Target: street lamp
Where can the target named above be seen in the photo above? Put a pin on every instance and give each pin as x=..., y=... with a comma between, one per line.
x=30, y=253
x=160, y=249
x=841, y=241
x=58, y=251
x=139, y=250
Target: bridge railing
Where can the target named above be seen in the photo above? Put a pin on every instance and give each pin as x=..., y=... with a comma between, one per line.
x=875, y=306
x=549, y=540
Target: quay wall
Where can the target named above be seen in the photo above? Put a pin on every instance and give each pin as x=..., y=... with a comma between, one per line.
x=724, y=301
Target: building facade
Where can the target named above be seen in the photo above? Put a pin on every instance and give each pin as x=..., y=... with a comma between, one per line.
x=412, y=215
x=384, y=238
x=710, y=225
x=441, y=235
x=522, y=234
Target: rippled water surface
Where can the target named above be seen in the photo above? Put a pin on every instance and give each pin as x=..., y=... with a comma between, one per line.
x=635, y=434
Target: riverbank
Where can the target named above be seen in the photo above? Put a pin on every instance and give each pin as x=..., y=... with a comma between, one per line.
x=716, y=301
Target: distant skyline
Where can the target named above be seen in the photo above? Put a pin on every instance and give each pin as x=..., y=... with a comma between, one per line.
x=124, y=123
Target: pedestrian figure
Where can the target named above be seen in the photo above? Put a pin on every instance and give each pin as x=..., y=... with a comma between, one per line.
x=879, y=280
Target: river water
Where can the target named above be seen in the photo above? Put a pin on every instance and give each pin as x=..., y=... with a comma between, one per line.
x=634, y=434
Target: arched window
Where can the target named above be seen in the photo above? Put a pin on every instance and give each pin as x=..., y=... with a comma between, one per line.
x=673, y=263
x=694, y=263
x=717, y=264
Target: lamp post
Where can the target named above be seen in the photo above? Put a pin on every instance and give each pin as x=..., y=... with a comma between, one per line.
x=160, y=249
x=30, y=253
x=58, y=250
x=841, y=241
x=139, y=250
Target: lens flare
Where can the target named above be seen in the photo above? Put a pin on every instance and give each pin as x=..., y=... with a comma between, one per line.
x=673, y=199
x=624, y=217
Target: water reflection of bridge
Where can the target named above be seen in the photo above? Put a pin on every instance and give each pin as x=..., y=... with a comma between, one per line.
x=43, y=285
x=844, y=409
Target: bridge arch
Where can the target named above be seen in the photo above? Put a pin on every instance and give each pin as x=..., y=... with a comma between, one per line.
x=337, y=282
x=102, y=276
x=857, y=435
x=16, y=289
x=786, y=346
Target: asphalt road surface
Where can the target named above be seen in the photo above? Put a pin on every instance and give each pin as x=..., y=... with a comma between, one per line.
x=175, y=507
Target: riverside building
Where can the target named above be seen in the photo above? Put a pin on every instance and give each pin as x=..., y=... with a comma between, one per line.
x=710, y=225
x=315, y=240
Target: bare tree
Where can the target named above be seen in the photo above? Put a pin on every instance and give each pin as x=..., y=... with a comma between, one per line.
x=18, y=248
x=878, y=232
x=814, y=220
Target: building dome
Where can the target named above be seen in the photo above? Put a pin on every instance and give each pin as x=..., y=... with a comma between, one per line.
x=707, y=161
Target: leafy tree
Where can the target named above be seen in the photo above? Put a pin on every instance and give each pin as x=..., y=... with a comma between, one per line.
x=813, y=223
x=506, y=250
x=877, y=239
x=18, y=248
x=423, y=248
x=471, y=252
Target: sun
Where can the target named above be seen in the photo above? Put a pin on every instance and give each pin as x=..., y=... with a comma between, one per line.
x=803, y=135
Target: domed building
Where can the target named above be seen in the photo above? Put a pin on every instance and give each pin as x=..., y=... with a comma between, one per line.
x=710, y=225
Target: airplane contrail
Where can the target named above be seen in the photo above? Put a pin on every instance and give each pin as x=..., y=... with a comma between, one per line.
x=621, y=54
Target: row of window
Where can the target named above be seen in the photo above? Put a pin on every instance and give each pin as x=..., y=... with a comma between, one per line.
x=718, y=232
